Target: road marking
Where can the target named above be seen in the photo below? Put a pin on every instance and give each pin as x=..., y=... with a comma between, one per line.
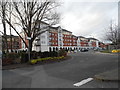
x=83, y=82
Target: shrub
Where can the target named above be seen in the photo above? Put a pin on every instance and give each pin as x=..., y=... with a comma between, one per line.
x=34, y=55
x=6, y=61
x=53, y=54
x=23, y=57
x=34, y=61
x=10, y=58
x=105, y=51
x=62, y=52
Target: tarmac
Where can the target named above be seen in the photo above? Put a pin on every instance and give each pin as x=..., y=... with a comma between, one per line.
x=15, y=66
x=111, y=75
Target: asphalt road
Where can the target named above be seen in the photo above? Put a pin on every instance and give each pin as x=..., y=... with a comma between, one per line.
x=63, y=74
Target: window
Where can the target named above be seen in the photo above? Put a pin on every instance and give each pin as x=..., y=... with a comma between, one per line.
x=50, y=38
x=42, y=36
x=43, y=42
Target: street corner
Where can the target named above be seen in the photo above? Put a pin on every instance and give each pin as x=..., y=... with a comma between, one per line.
x=111, y=75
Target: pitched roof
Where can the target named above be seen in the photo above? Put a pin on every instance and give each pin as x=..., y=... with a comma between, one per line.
x=92, y=39
x=80, y=37
x=66, y=30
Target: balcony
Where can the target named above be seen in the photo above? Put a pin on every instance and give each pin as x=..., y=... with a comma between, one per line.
x=37, y=44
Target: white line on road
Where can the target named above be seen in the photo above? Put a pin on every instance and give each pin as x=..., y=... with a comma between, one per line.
x=83, y=82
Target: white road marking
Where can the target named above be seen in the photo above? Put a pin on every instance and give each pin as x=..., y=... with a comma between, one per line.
x=83, y=82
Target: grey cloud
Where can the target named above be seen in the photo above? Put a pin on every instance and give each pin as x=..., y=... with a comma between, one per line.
x=88, y=18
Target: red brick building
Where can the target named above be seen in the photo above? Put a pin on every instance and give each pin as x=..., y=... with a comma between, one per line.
x=13, y=43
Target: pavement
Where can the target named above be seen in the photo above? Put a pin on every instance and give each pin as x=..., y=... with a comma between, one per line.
x=14, y=66
x=23, y=65
x=111, y=75
x=64, y=74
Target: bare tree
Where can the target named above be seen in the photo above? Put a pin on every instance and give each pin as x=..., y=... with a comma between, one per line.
x=10, y=9
x=118, y=37
x=26, y=15
x=112, y=34
x=3, y=17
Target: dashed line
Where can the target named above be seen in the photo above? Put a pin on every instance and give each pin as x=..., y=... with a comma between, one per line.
x=83, y=82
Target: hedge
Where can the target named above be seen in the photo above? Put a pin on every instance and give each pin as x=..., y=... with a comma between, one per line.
x=34, y=61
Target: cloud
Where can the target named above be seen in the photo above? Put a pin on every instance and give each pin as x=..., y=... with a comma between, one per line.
x=88, y=18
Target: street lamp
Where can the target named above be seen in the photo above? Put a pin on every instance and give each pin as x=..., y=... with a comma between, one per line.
x=29, y=38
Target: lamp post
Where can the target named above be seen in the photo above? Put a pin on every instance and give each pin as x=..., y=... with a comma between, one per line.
x=29, y=38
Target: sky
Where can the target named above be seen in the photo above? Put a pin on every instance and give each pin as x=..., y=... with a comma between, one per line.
x=89, y=18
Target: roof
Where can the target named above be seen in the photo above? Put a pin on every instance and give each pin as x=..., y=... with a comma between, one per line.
x=80, y=37
x=53, y=27
x=74, y=35
x=66, y=30
x=13, y=36
x=92, y=39
x=44, y=22
x=62, y=29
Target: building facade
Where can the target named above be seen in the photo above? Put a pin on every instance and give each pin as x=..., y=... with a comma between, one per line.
x=56, y=38
x=13, y=43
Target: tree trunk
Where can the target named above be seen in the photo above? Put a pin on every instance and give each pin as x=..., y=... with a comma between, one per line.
x=10, y=30
x=4, y=27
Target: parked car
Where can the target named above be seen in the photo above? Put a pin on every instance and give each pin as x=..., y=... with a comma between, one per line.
x=84, y=50
x=75, y=51
x=115, y=51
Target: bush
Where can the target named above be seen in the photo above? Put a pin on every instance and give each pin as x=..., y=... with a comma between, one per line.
x=10, y=58
x=44, y=54
x=105, y=51
x=34, y=61
x=6, y=61
x=34, y=55
x=23, y=57
x=53, y=54
x=62, y=52
x=48, y=54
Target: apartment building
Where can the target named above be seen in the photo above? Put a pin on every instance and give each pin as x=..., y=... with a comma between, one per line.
x=93, y=43
x=56, y=38
x=22, y=45
x=102, y=45
x=13, y=43
x=83, y=42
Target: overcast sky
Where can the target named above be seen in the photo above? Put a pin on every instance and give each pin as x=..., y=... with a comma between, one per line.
x=88, y=18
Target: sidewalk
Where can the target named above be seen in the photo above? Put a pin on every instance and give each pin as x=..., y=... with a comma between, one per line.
x=106, y=53
x=111, y=75
x=14, y=66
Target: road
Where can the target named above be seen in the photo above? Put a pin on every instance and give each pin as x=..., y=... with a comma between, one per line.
x=82, y=65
